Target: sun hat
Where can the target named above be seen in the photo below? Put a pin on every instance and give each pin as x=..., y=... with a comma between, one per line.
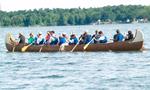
x=40, y=33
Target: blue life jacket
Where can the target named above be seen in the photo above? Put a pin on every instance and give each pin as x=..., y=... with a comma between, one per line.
x=62, y=40
x=88, y=38
x=75, y=40
x=35, y=40
x=119, y=37
x=54, y=42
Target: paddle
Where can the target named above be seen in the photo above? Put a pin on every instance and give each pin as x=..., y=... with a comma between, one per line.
x=13, y=49
x=88, y=43
x=25, y=47
x=41, y=48
x=76, y=45
x=61, y=48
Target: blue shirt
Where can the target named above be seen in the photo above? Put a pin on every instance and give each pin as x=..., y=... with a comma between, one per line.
x=119, y=37
x=88, y=38
x=75, y=40
x=54, y=42
x=62, y=40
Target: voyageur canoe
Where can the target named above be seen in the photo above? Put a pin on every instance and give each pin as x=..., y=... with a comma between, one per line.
x=132, y=45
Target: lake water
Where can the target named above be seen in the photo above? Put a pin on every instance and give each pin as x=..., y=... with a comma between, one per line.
x=77, y=70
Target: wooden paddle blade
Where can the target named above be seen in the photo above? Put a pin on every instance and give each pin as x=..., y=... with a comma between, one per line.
x=88, y=44
x=40, y=49
x=13, y=49
x=85, y=46
x=24, y=48
x=74, y=48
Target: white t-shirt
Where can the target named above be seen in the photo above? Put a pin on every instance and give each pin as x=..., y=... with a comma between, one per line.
x=102, y=38
x=39, y=39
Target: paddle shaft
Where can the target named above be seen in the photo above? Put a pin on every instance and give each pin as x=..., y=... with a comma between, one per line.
x=88, y=43
x=41, y=48
x=26, y=47
x=13, y=49
x=76, y=45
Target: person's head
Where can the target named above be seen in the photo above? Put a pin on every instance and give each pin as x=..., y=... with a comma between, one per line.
x=48, y=33
x=117, y=31
x=31, y=34
x=53, y=32
x=40, y=33
x=100, y=32
x=85, y=33
x=73, y=36
x=64, y=34
x=20, y=34
x=130, y=32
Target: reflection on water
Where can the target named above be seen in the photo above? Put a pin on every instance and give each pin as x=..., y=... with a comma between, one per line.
x=77, y=70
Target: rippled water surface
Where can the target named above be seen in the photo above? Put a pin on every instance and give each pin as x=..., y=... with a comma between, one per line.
x=77, y=70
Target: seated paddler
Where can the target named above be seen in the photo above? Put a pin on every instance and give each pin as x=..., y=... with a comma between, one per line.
x=39, y=39
x=129, y=36
x=63, y=39
x=73, y=40
x=31, y=39
x=53, y=38
x=47, y=38
x=96, y=37
x=85, y=38
x=103, y=38
x=21, y=38
x=118, y=37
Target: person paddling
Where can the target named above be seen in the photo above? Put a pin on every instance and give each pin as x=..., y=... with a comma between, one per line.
x=86, y=38
x=103, y=38
x=21, y=38
x=31, y=39
x=73, y=40
x=96, y=36
x=47, y=38
x=53, y=38
x=63, y=40
x=118, y=37
x=39, y=39
x=129, y=36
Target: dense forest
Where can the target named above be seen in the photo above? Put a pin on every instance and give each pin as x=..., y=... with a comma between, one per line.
x=76, y=16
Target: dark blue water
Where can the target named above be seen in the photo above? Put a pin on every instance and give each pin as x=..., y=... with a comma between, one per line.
x=77, y=70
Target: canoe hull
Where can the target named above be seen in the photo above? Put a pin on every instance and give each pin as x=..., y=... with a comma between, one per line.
x=133, y=45
x=118, y=46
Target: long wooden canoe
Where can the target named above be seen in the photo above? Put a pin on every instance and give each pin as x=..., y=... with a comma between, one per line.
x=133, y=45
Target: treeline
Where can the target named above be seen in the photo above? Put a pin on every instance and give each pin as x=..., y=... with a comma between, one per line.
x=75, y=16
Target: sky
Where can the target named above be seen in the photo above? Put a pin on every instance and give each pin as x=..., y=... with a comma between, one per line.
x=14, y=5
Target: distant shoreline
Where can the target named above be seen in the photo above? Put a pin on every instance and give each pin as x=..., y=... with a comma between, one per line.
x=72, y=25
